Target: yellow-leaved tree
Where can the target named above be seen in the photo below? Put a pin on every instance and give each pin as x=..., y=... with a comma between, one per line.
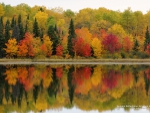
x=1, y=10
x=11, y=48
x=96, y=45
x=47, y=46
x=42, y=19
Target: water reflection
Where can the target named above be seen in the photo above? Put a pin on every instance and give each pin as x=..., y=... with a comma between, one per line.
x=25, y=88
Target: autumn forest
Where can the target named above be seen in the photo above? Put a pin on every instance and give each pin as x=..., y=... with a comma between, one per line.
x=39, y=32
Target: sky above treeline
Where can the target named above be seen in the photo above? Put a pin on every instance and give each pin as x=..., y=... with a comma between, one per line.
x=76, y=5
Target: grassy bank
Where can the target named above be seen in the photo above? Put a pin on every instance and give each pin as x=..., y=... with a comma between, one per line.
x=74, y=60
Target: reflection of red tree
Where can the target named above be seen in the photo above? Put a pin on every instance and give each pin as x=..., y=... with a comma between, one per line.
x=110, y=80
x=22, y=74
x=28, y=82
x=127, y=78
x=59, y=72
x=81, y=79
x=81, y=74
x=148, y=73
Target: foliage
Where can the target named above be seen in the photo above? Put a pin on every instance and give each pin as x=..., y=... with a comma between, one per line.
x=71, y=36
x=97, y=47
x=52, y=33
x=111, y=43
x=11, y=48
x=41, y=18
x=36, y=30
x=47, y=46
x=1, y=10
x=22, y=49
x=127, y=44
x=81, y=48
x=59, y=50
x=147, y=39
x=128, y=26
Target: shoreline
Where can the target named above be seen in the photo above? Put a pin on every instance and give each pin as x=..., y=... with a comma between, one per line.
x=76, y=61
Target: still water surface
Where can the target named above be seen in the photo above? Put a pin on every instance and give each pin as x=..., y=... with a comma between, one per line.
x=74, y=88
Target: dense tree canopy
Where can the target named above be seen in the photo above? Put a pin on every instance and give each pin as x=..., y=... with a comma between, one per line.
x=65, y=26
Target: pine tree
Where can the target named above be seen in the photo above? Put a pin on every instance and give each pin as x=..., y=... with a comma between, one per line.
x=26, y=26
x=41, y=34
x=16, y=33
x=147, y=39
x=36, y=30
x=2, y=40
x=21, y=29
x=19, y=19
x=21, y=32
x=71, y=36
x=7, y=29
x=13, y=22
x=136, y=45
x=52, y=33
x=2, y=21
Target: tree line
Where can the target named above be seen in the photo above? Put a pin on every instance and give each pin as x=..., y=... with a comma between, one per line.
x=38, y=32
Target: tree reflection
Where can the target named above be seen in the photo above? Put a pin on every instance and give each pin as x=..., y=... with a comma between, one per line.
x=40, y=87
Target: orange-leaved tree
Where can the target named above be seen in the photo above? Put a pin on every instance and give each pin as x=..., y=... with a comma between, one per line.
x=127, y=44
x=22, y=49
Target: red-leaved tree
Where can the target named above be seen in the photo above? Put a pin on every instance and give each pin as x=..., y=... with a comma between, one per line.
x=59, y=50
x=111, y=43
x=81, y=48
x=148, y=49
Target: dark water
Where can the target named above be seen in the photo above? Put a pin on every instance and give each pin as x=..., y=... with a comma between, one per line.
x=74, y=88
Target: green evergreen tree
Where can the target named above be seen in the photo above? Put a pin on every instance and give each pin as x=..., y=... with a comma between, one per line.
x=19, y=19
x=16, y=33
x=136, y=45
x=2, y=21
x=26, y=26
x=36, y=30
x=7, y=29
x=21, y=29
x=52, y=33
x=41, y=34
x=71, y=36
x=2, y=41
x=21, y=32
x=13, y=22
x=147, y=39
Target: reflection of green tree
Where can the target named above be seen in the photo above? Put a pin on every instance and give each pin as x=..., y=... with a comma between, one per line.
x=147, y=83
x=70, y=85
x=7, y=94
x=135, y=94
x=2, y=81
x=53, y=88
x=35, y=93
x=21, y=89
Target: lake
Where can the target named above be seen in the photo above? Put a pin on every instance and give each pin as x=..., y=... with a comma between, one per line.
x=79, y=88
